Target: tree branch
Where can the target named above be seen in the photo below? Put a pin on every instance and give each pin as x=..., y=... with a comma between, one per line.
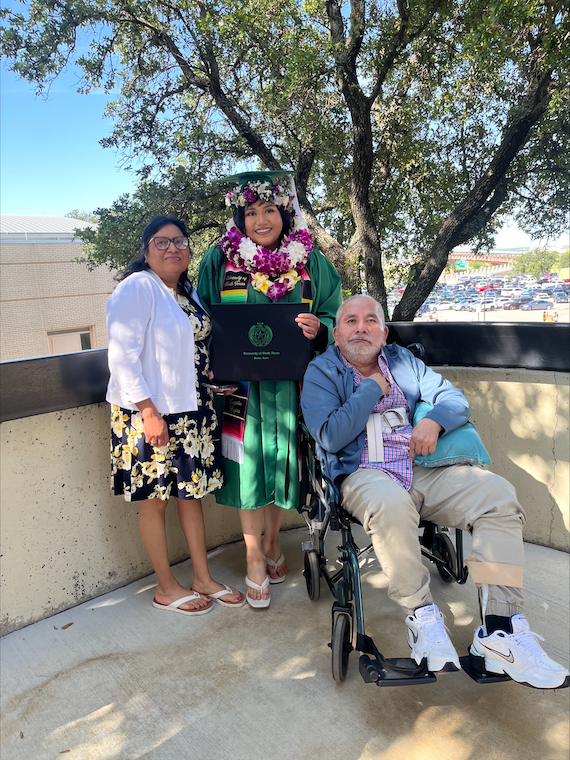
x=400, y=41
x=167, y=41
x=243, y=128
x=483, y=200
x=356, y=33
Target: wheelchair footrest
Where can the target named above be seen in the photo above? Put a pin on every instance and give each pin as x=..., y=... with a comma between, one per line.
x=474, y=666
x=396, y=671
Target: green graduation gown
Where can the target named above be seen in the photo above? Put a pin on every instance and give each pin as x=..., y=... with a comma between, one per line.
x=270, y=470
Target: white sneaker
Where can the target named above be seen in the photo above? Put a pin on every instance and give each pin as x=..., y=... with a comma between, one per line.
x=519, y=655
x=427, y=637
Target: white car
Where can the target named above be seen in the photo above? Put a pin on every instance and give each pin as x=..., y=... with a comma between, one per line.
x=466, y=304
x=483, y=305
x=443, y=306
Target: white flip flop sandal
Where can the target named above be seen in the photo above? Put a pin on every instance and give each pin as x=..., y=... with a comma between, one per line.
x=275, y=565
x=174, y=606
x=258, y=602
x=227, y=590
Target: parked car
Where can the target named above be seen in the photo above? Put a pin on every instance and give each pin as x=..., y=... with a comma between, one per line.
x=517, y=303
x=480, y=306
x=467, y=302
x=535, y=305
x=561, y=297
x=442, y=306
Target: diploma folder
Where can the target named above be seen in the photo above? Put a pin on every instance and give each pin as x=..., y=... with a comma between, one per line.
x=258, y=342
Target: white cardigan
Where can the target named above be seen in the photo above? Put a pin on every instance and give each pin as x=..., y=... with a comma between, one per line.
x=151, y=347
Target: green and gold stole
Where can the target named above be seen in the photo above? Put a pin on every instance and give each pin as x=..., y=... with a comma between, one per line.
x=234, y=290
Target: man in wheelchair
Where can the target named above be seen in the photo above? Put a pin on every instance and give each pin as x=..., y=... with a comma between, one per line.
x=358, y=401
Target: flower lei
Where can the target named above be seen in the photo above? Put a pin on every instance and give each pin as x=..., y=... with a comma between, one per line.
x=254, y=191
x=274, y=273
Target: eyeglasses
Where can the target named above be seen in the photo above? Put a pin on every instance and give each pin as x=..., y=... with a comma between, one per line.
x=163, y=243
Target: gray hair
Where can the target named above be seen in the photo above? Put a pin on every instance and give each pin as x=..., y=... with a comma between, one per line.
x=377, y=307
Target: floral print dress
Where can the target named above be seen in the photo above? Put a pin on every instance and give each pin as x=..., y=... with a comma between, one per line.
x=189, y=466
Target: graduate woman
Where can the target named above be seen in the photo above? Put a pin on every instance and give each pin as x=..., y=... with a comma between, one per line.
x=266, y=256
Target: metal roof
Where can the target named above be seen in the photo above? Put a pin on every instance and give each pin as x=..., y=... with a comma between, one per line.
x=35, y=228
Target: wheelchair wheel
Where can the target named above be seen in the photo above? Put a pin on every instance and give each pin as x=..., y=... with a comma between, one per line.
x=443, y=546
x=341, y=645
x=312, y=575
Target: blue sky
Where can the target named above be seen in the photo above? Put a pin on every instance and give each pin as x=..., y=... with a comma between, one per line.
x=52, y=163
x=51, y=158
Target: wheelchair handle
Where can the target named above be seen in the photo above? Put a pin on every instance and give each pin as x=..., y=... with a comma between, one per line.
x=418, y=347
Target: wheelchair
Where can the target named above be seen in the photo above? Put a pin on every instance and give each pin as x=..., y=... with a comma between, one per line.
x=321, y=507
x=322, y=510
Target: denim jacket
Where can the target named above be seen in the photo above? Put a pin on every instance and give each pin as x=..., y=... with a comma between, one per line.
x=336, y=414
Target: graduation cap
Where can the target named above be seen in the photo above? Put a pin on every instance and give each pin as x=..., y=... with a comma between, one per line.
x=246, y=177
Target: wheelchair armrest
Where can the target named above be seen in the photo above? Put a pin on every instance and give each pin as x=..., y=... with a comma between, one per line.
x=339, y=518
x=329, y=492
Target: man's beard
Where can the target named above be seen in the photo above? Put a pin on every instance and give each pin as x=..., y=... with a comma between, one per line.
x=360, y=351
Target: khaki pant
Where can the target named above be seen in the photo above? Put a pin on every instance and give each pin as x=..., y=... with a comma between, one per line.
x=459, y=496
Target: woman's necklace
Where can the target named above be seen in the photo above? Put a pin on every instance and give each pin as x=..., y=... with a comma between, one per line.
x=274, y=273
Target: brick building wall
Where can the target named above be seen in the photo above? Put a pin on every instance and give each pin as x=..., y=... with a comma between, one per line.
x=42, y=289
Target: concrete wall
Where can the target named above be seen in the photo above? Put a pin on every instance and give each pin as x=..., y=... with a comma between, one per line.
x=522, y=417
x=43, y=288
x=66, y=539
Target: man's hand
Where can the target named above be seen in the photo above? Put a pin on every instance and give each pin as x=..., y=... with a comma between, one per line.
x=424, y=437
x=382, y=382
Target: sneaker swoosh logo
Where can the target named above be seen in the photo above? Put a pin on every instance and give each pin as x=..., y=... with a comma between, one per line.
x=508, y=658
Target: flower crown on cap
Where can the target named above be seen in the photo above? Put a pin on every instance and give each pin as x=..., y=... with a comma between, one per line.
x=256, y=190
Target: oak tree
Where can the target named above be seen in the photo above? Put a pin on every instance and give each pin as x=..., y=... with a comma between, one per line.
x=413, y=126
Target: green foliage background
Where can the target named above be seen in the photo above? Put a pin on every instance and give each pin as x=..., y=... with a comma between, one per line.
x=394, y=115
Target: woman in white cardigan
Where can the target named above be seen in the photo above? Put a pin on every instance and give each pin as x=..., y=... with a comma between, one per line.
x=164, y=431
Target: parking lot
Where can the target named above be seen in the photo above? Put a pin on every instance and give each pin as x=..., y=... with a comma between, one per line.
x=497, y=315
x=494, y=298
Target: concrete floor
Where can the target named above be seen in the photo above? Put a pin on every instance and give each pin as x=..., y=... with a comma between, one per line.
x=115, y=679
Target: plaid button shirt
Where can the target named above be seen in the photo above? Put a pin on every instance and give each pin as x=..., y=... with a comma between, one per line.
x=397, y=463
